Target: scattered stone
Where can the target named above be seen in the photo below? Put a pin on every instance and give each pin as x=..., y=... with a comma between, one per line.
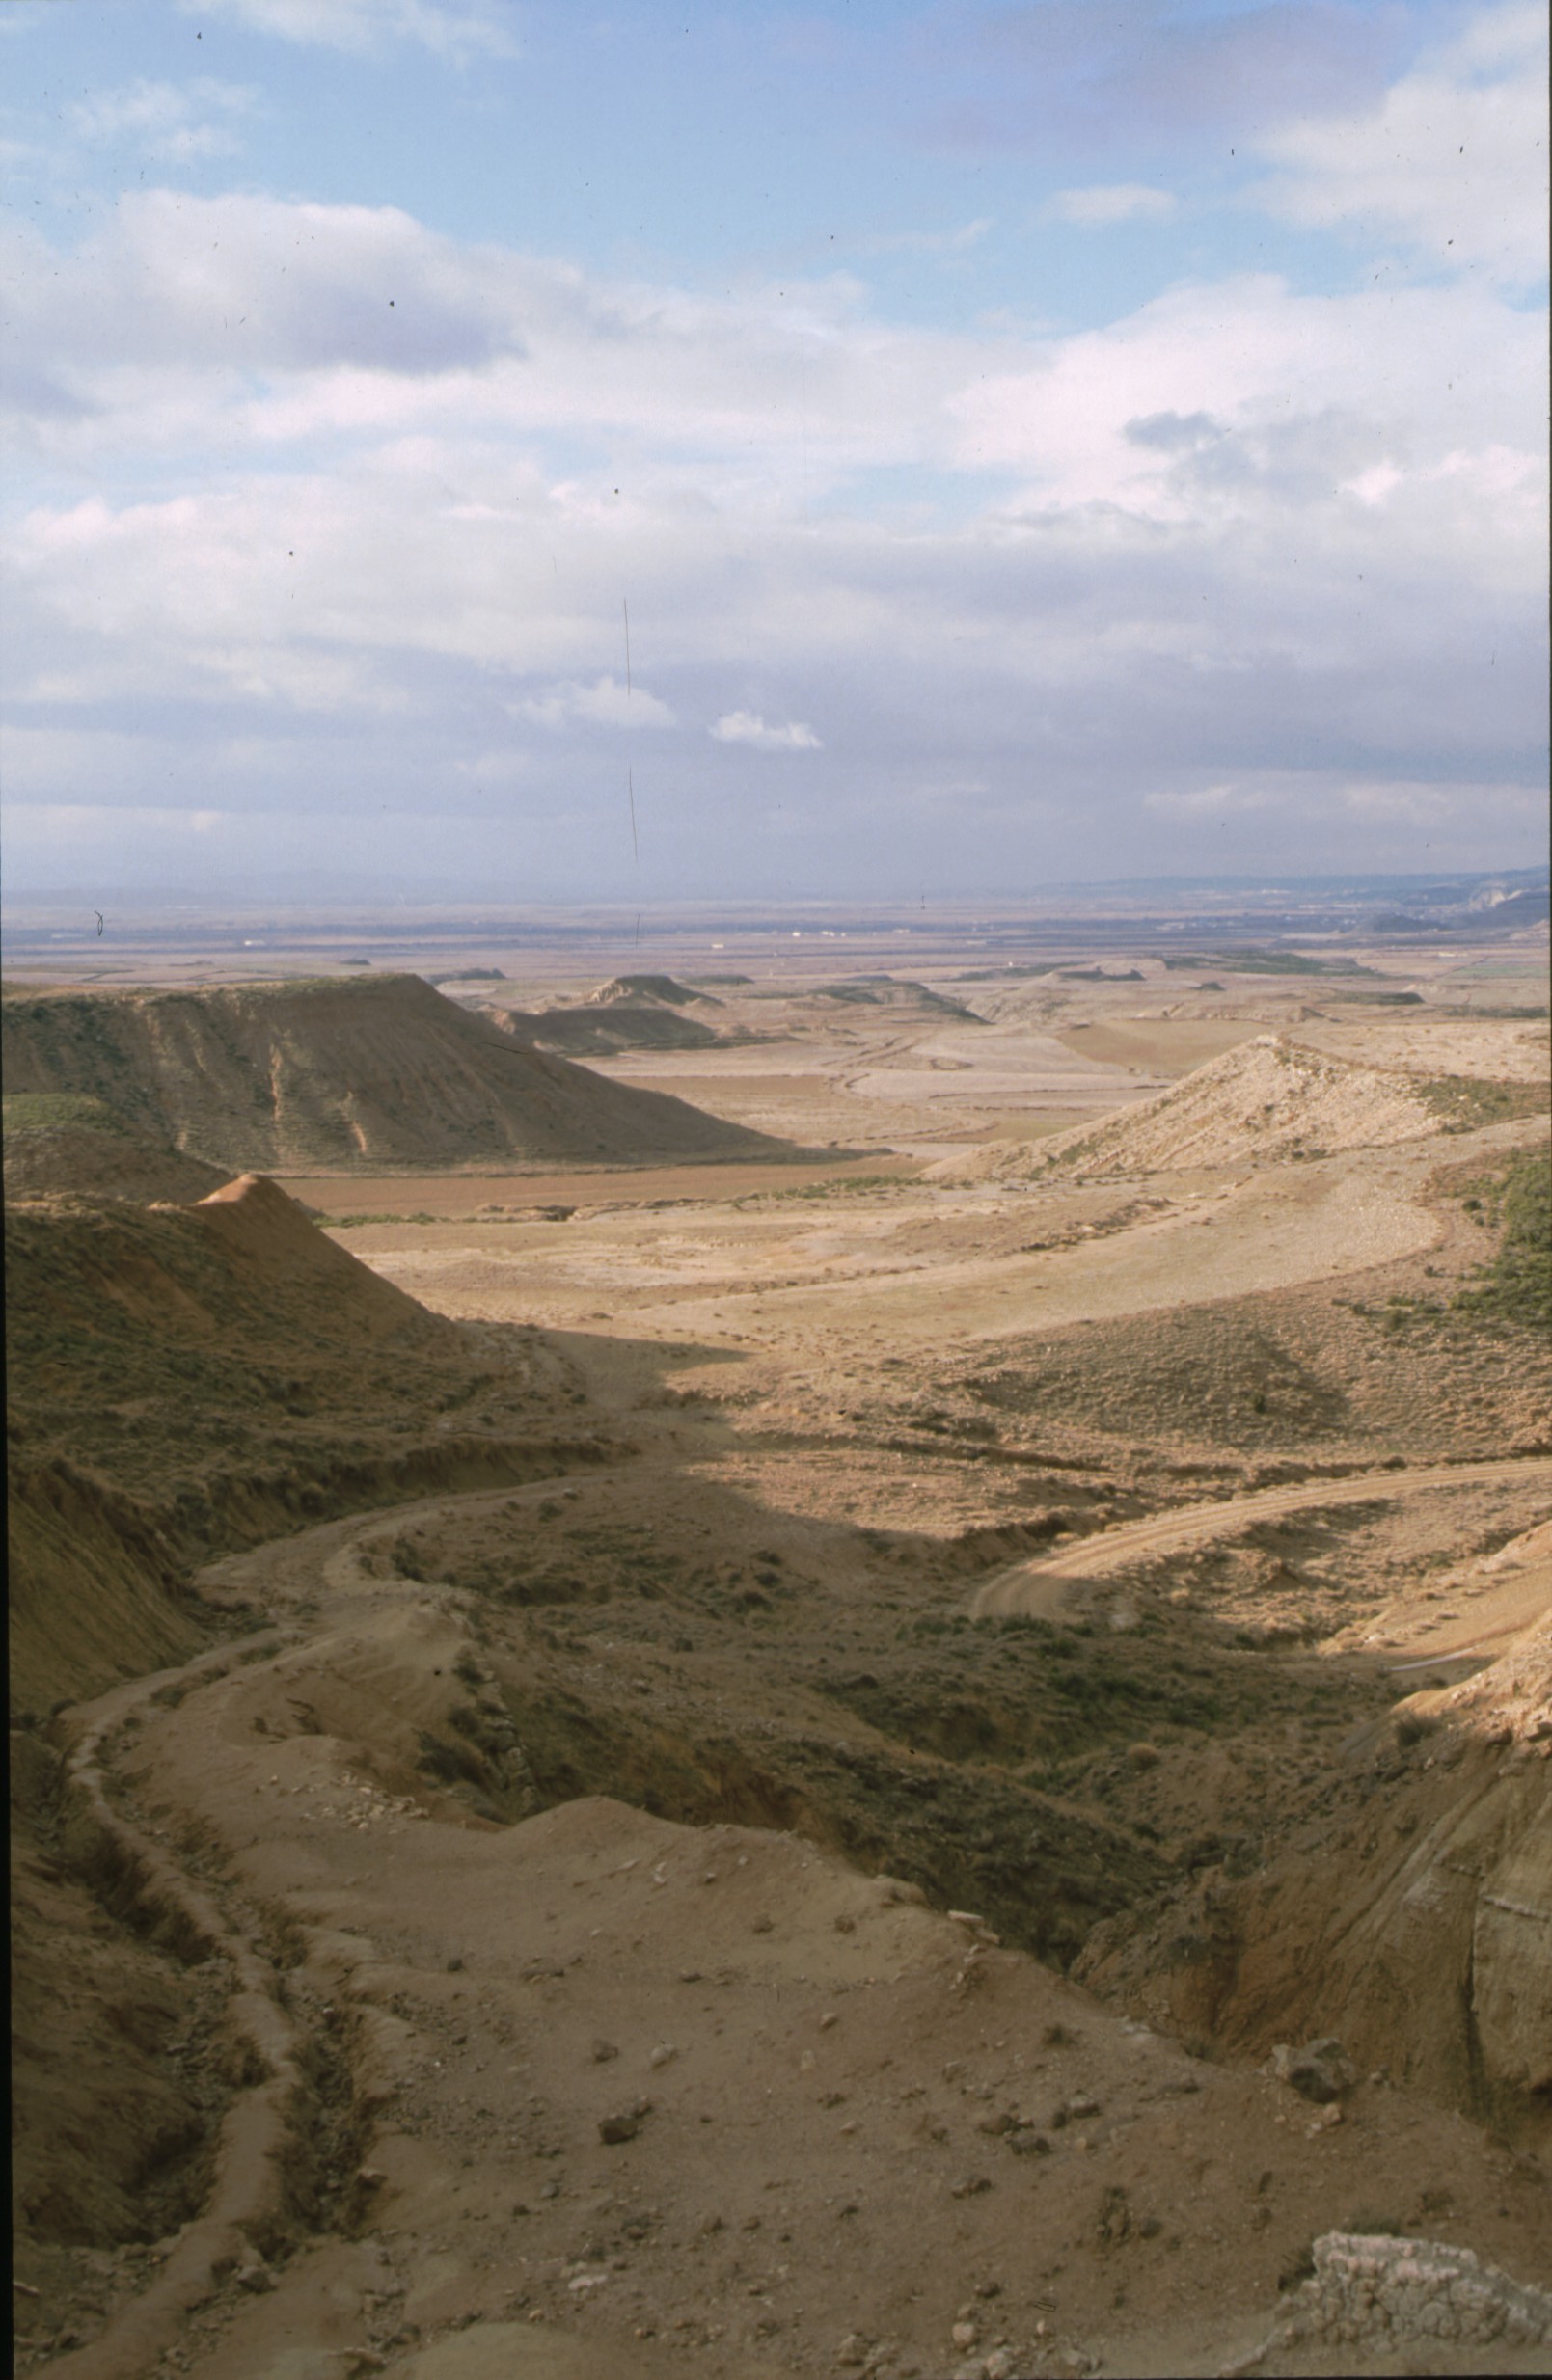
x=851, y=2353
x=974, y=2185
x=1322, y=2071
x=1027, y=2142
x=625, y=2124
x=663, y=2055
x=965, y=2334
x=255, y=2276
x=1082, y=2105
x=1115, y=2217
x=603, y=2051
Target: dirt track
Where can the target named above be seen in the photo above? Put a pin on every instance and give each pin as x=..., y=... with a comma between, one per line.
x=1039, y=1587
x=826, y=2077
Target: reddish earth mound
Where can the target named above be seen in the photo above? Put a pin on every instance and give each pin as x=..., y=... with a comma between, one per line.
x=373, y=1072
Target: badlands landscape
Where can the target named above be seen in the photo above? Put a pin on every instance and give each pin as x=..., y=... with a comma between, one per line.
x=776, y=1651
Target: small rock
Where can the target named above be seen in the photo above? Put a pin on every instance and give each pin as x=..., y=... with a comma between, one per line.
x=603, y=2051
x=625, y=2123
x=255, y=2277
x=1082, y=2105
x=762, y=1925
x=1322, y=2071
x=998, y=2365
x=851, y=2353
x=1027, y=2142
x=663, y=2054
x=974, y=2186
x=965, y=2334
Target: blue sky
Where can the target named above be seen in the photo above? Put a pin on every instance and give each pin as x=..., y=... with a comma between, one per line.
x=1034, y=440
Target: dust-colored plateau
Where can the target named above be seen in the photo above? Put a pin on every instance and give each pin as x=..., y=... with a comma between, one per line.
x=724, y=1666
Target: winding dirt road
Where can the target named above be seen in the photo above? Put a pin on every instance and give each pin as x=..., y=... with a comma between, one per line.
x=1037, y=1589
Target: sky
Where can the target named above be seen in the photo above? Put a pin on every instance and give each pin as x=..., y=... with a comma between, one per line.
x=462, y=450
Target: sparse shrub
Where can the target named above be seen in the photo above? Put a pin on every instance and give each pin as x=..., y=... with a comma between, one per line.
x=1516, y=1285
x=1411, y=1726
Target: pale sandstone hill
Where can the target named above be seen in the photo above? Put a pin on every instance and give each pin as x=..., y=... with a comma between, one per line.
x=380, y=1072
x=80, y=1145
x=1267, y=1100
x=631, y=990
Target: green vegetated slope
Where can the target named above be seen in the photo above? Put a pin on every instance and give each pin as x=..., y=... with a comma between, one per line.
x=56, y=1141
x=378, y=1071
x=1516, y=1285
x=185, y=1379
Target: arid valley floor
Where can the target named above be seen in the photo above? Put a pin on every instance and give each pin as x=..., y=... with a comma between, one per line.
x=894, y=1720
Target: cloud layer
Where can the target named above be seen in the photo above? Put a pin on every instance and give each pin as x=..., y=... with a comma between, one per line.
x=321, y=514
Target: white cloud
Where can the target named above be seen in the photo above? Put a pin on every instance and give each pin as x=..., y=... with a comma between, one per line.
x=608, y=702
x=172, y=120
x=364, y=26
x=1104, y=202
x=317, y=508
x=1452, y=161
x=748, y=728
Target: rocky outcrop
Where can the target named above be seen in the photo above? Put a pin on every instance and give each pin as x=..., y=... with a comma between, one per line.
x=1384, y=2296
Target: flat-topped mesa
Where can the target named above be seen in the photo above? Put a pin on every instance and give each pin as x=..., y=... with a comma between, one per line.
x=638, y=988
x=370, y=1071
x=602, y=1030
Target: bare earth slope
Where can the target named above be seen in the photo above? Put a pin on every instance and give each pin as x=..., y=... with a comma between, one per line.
x=1417, y=1918
x=180, y=1377
x=380, y=1072
x=1265, y=1101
